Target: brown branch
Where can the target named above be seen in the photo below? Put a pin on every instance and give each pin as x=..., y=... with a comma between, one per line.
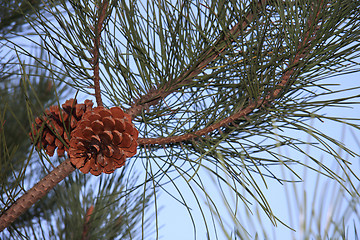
x=35, y=193
x=95, y=51
x=86, y=225
x=303, y=49
x=209, y=55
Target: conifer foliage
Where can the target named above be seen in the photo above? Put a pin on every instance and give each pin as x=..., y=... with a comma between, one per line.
x=178, y=88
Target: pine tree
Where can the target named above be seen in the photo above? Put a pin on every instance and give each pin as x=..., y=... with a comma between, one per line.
x=179, y=89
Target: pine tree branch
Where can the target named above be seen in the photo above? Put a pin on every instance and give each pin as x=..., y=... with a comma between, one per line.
x=206, y=57
x=86, y=226
x=303, y=51
x=35, y=193
x=65, y=168
x=95, y=51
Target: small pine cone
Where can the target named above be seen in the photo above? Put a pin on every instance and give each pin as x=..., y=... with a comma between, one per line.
x=55, y=124
x=102, y=141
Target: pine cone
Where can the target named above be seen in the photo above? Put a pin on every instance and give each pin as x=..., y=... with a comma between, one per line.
x=55, y=125
x=102, y=141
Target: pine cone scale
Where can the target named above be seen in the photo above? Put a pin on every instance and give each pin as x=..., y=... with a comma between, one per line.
x=97, y=126
x=126, y=140
x=117, y=137
x=109, y=123
x=120, y=125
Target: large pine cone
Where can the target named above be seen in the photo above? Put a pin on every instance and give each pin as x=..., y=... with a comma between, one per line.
x=55, y=126
x=102, y=141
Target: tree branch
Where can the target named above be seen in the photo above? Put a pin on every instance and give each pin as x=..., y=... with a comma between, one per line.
x=95, y=51
x=35, y=193
x=86, y=225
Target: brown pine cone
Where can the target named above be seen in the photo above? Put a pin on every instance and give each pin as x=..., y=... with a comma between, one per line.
x=56, y=125
x=102, y=141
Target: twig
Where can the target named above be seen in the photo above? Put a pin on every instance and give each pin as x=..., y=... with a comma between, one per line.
x=86, y=226
x=95, y=51
x=35, y=193
x=1, y=128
